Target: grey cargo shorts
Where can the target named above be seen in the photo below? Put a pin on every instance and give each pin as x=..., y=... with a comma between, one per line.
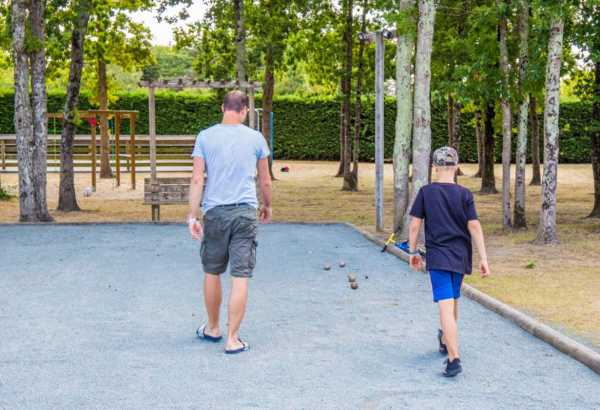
x=230, y=238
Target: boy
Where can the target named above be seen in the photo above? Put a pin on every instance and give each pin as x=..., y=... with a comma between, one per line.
x=450, y=224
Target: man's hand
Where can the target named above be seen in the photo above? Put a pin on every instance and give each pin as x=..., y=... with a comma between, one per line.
x=416, y=262
x=266, y=213
x=195, y=229
x=484, y=269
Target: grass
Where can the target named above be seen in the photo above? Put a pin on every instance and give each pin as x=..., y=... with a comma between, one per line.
x=557, y=284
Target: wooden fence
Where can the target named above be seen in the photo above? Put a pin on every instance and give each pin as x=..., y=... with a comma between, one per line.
x=173, y=152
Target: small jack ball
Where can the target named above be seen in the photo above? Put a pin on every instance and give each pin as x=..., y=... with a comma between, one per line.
x=354, y=285
x=327, y=267
x=351, y=278
x=342, y=264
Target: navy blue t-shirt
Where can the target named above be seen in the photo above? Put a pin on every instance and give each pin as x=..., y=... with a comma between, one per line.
x=447, y=208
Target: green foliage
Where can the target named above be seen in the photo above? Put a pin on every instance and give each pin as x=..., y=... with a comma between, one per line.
x=308, y=127
x=530, y=265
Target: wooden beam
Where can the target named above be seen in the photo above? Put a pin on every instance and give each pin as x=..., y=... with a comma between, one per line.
x=251, y=110
x=181, y=83
x=132, y=147
x=118, y=147
x=379, y=122
x=93, y=149
x=152, y=132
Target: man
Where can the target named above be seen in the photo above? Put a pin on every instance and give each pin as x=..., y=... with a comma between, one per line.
x=450, y=224
x=230, y=153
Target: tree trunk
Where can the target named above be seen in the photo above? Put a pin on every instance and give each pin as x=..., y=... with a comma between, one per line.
x=506, y=115
x=340, y=172
x=67, y=199
x=454, y=110
x=547, y=228
x=488, y=180
x=105, y=169
x=30, y=112
x=479, y=139
x=536, y=178
x=347, y=93
x=353, y=182
x=422, y=103
x=405, y=50
x=520, y=220
x=40, y=108
x=596, y=144
x=240, y=41
x=267, y=102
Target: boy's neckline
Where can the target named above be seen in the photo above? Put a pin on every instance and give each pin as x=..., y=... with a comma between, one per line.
x=445, y=183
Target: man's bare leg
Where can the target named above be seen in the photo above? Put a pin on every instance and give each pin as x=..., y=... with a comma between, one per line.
x=212, y=301
x=449, y=327
x=237, y=309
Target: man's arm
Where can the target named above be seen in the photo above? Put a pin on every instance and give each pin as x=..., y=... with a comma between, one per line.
x=413, y=234
x=476, y=232
x=196, y=187
x=265, y=185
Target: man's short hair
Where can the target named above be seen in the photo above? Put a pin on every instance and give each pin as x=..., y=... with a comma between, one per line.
x=445, y=157
x=235, y=101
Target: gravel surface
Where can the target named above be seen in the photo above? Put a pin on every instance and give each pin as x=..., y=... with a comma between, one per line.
x=104, y=316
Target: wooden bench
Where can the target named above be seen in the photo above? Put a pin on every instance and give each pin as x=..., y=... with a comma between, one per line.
x=166, y=191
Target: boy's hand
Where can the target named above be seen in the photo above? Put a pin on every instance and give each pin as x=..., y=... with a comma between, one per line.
x=484, y=269
x=416, y=262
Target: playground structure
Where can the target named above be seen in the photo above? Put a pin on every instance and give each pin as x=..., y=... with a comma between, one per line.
x=119, y=115
x=165, y=191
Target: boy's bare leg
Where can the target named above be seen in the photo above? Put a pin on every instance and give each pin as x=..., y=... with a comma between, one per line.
x=212, y=301
x=455, y=318
x=237, y=309
x=448, y=321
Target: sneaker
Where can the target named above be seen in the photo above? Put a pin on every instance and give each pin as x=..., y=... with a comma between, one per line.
x=442, y=347
x=452, y=368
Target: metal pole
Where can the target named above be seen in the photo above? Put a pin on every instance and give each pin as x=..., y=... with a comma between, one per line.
x=379, y=146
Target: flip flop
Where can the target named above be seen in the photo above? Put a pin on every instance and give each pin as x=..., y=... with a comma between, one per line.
x=202, y=335
x=244, y=348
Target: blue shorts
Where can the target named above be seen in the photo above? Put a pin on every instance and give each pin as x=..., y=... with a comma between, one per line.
x=445, y=284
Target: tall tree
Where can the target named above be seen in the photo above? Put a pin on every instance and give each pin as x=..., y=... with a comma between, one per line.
x=28, y=45
x=405, y=50
x=479, y=140
x=587, y=38
x=536, y=178
x=421, y=143
x=240, y=41
x=488, y=180
x=67, y=199
x=353, y=177
x=519, y=220
x=115, y=38
x=506, y=111
x=348, y=42
x=547, y=227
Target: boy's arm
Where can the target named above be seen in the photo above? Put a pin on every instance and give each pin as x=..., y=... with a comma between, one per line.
x=413, y=234
x=476, y=232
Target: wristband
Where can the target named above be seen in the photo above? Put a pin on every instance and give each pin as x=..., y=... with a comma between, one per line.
x=414, y=253
x=192, y=220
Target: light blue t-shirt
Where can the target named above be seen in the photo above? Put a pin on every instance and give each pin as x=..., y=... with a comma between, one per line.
x=230, y=154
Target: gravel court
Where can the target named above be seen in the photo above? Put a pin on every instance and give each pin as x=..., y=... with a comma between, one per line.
x=103, y=316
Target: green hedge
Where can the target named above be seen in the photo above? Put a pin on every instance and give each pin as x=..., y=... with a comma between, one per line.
x=308, y=128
